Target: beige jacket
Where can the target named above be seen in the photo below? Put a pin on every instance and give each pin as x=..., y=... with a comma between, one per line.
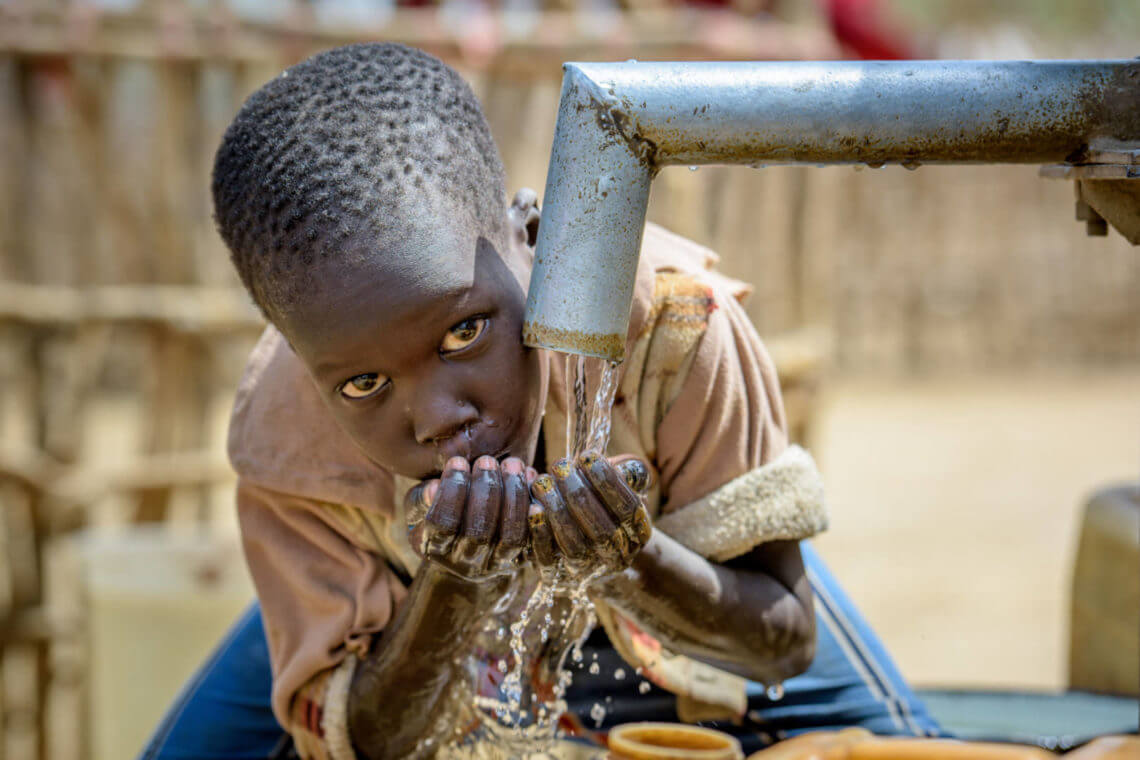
x=322, y=527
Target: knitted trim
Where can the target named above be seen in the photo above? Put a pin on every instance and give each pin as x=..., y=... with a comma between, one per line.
x=334, y=721
x=782, y=500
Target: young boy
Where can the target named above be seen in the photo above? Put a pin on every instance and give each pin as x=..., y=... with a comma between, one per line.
x=401, y=456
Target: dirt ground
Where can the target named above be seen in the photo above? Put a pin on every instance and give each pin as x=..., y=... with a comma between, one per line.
x=956, y=506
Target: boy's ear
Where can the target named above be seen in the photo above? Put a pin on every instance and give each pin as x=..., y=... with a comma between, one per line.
x=524, y=216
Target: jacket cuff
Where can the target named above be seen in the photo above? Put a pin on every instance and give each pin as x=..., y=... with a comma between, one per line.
x=319, y=715
x=782, y=500
x=334, y=722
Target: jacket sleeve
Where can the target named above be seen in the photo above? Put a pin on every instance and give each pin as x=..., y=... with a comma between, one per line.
x=323, y=596
x=729, y=480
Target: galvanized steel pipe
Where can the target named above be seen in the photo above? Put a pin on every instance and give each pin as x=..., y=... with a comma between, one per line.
x=619, y=123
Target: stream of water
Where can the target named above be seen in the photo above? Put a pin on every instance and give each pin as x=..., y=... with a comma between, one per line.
x=552, y=616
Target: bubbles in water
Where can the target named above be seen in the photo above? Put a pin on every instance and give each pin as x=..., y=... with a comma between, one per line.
x=619, y=674
x=775, y=692
x=598, y=713
x=594, y=669
x=644, y=687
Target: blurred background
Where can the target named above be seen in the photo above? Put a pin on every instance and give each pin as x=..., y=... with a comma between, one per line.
x=963, y=361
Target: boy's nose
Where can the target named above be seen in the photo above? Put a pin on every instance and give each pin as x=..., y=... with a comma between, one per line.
x=440, y=418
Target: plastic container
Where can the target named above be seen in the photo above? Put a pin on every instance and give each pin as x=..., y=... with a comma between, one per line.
x=671, y=741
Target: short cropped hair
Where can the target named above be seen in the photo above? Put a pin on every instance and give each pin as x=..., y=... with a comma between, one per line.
x=327, y=150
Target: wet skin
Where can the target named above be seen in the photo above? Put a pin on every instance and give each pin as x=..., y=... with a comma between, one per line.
x=417, y=354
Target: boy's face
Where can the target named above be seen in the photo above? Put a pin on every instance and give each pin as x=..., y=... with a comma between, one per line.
x=416, y=348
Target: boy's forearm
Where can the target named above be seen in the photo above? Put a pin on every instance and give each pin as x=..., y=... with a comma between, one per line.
x=398, y=690
x=734, y=616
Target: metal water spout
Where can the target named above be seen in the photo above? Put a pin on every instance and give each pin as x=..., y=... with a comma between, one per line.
x=620, y=123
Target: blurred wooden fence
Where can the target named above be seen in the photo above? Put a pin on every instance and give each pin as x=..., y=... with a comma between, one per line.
x=113, y=281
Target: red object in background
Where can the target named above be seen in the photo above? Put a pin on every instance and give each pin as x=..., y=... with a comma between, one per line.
x=861, y=28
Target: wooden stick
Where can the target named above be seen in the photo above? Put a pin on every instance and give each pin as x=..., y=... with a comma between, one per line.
x=181, y=308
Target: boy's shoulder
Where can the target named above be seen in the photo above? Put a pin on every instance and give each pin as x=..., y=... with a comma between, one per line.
x=671, y=268
x=282, y=438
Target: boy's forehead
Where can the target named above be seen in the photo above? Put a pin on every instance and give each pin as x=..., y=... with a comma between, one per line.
x=431, y=258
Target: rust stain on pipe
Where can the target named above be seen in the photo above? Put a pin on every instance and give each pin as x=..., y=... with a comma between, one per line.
x=575, y=341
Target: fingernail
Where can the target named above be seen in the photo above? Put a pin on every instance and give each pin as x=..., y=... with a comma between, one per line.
x=513, y=466
x=486, y=463
x=457, y=463
x=561, y=468
x=531, y=474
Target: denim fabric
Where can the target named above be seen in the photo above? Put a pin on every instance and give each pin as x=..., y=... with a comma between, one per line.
x=223, y=712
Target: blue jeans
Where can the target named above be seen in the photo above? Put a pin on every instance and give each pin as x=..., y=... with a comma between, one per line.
x=224, y=712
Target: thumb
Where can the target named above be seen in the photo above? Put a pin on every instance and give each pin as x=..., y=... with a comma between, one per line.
x=418, y=500
x=636, y=472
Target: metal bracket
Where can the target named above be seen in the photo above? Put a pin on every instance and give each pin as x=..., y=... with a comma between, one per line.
x=1104, y=190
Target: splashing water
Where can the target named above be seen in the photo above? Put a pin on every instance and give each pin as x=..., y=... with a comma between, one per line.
x=775, y=692
x=555, y=618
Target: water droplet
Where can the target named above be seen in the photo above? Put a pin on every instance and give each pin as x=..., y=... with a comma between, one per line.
x=619, y=674
x=693, y=168
x=876, y=164
x=911, y=165
x=576, y=655
x=598, y=713
x=644, y=687
x=501, y=633
x=502, y=666
x=594, y=669
x=775, y=692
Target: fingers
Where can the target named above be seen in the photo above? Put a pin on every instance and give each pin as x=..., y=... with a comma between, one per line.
x=614, y=489
x=443, y=518
x=481, y=518
x=635, y=474
x=569, y=539
x=513, y=515
x=591, y=516
x=542, y=542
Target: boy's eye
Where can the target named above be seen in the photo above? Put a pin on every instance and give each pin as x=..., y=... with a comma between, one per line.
x=363, y=386
x=463, y=334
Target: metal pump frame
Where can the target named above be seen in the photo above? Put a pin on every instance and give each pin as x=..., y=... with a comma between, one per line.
x=620, y=123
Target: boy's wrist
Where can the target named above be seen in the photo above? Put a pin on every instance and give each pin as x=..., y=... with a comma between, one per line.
x=486, y=589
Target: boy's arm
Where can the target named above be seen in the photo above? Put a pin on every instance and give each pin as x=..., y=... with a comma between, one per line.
x=469, y=526
x=751, y=615
x=398, y=700
x=339, y=688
